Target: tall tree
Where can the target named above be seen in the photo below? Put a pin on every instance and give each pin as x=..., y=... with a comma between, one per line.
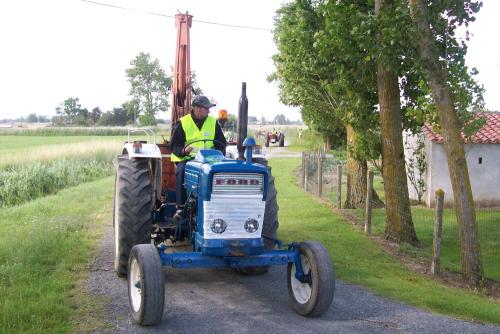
x=428, y=18
x=149, y=85
x=357, y=170
x=132, y=108
x=314, y=74
x=117, y=116
x=71, y=111
x=281, y=119
x=95, y=115
x=32, y=118
x=399, y=225
x=347, y=41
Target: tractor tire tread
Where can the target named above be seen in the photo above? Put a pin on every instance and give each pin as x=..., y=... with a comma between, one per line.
x=153, y=280
x=134, y=208
x=323, y=280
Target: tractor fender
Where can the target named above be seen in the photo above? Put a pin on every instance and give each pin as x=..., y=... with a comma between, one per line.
x=147, y=151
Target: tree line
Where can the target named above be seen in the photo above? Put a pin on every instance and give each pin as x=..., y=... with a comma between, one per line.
x=362, y=71
x=149, y=91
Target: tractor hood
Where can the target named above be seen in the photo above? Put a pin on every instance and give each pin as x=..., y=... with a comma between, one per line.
x=200, y=173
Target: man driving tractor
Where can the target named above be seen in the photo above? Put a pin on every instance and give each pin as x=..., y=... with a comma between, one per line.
x=197, y=125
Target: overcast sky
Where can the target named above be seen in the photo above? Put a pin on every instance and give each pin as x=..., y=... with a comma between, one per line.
x=55, y=49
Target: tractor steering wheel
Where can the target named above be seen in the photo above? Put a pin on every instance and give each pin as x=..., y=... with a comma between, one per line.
x=204, y=141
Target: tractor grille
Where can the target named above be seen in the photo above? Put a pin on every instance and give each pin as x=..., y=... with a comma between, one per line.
x=238, y=183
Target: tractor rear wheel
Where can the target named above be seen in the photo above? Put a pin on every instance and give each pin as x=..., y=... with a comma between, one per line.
x=132, y=209
x=282, y=140
x=270, y=224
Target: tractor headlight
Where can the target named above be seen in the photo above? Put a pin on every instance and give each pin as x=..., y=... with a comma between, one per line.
x=251, y=225
x=218, y=226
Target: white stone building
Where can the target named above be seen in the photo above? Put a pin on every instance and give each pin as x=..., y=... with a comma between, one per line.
x=483, y=161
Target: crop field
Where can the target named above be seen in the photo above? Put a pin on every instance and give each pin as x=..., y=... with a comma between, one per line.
x=11, y=144
x=45, y=165
x=48, y=131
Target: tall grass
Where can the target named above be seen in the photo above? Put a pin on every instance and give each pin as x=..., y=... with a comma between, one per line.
x=66, y=131
x=48, y=153
x=73, y=131
x=27, y=182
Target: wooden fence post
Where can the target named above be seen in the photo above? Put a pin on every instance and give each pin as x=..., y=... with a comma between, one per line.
x=438, y=226
x=369, y=194
x=320, y=174
x=306, y=170
x=303, y=169
x=339, y=186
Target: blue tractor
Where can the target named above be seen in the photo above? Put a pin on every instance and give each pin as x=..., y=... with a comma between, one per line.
x=231, y=220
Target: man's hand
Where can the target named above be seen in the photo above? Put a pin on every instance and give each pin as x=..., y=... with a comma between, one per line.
x=188, y=150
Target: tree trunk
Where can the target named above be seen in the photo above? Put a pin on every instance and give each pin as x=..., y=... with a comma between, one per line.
x=399, y=224
x=436, y=76
x=356, y=178
x=328, y=145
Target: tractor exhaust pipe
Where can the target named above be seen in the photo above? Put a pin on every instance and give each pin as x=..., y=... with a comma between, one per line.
x=242, y=121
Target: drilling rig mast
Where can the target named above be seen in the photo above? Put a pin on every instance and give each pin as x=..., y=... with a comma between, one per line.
x=181, y=85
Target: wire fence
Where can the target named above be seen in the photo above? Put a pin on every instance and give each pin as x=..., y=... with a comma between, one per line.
x=326, y=177
x=323, y=175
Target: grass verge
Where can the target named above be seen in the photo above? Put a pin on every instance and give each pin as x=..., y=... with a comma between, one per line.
x=360, y=260
x=423, y=220
x=45, y=246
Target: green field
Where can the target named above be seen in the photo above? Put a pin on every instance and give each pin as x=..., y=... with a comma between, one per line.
x=13, y=144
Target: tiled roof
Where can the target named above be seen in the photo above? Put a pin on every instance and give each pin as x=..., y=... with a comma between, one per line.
x=488, y=134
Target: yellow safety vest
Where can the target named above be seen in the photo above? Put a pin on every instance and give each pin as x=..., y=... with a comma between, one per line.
x=192, y=132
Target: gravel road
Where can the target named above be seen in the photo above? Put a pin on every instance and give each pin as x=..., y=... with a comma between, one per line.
x=220, y=301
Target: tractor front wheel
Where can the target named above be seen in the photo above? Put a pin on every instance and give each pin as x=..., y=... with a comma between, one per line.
x=313, y=295
x=146, y=285
x=132, y=209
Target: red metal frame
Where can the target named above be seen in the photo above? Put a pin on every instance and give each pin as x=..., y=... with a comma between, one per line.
x=181, y=86
x=181, y=93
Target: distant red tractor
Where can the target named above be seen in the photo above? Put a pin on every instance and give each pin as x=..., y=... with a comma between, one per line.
x=274, y=137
